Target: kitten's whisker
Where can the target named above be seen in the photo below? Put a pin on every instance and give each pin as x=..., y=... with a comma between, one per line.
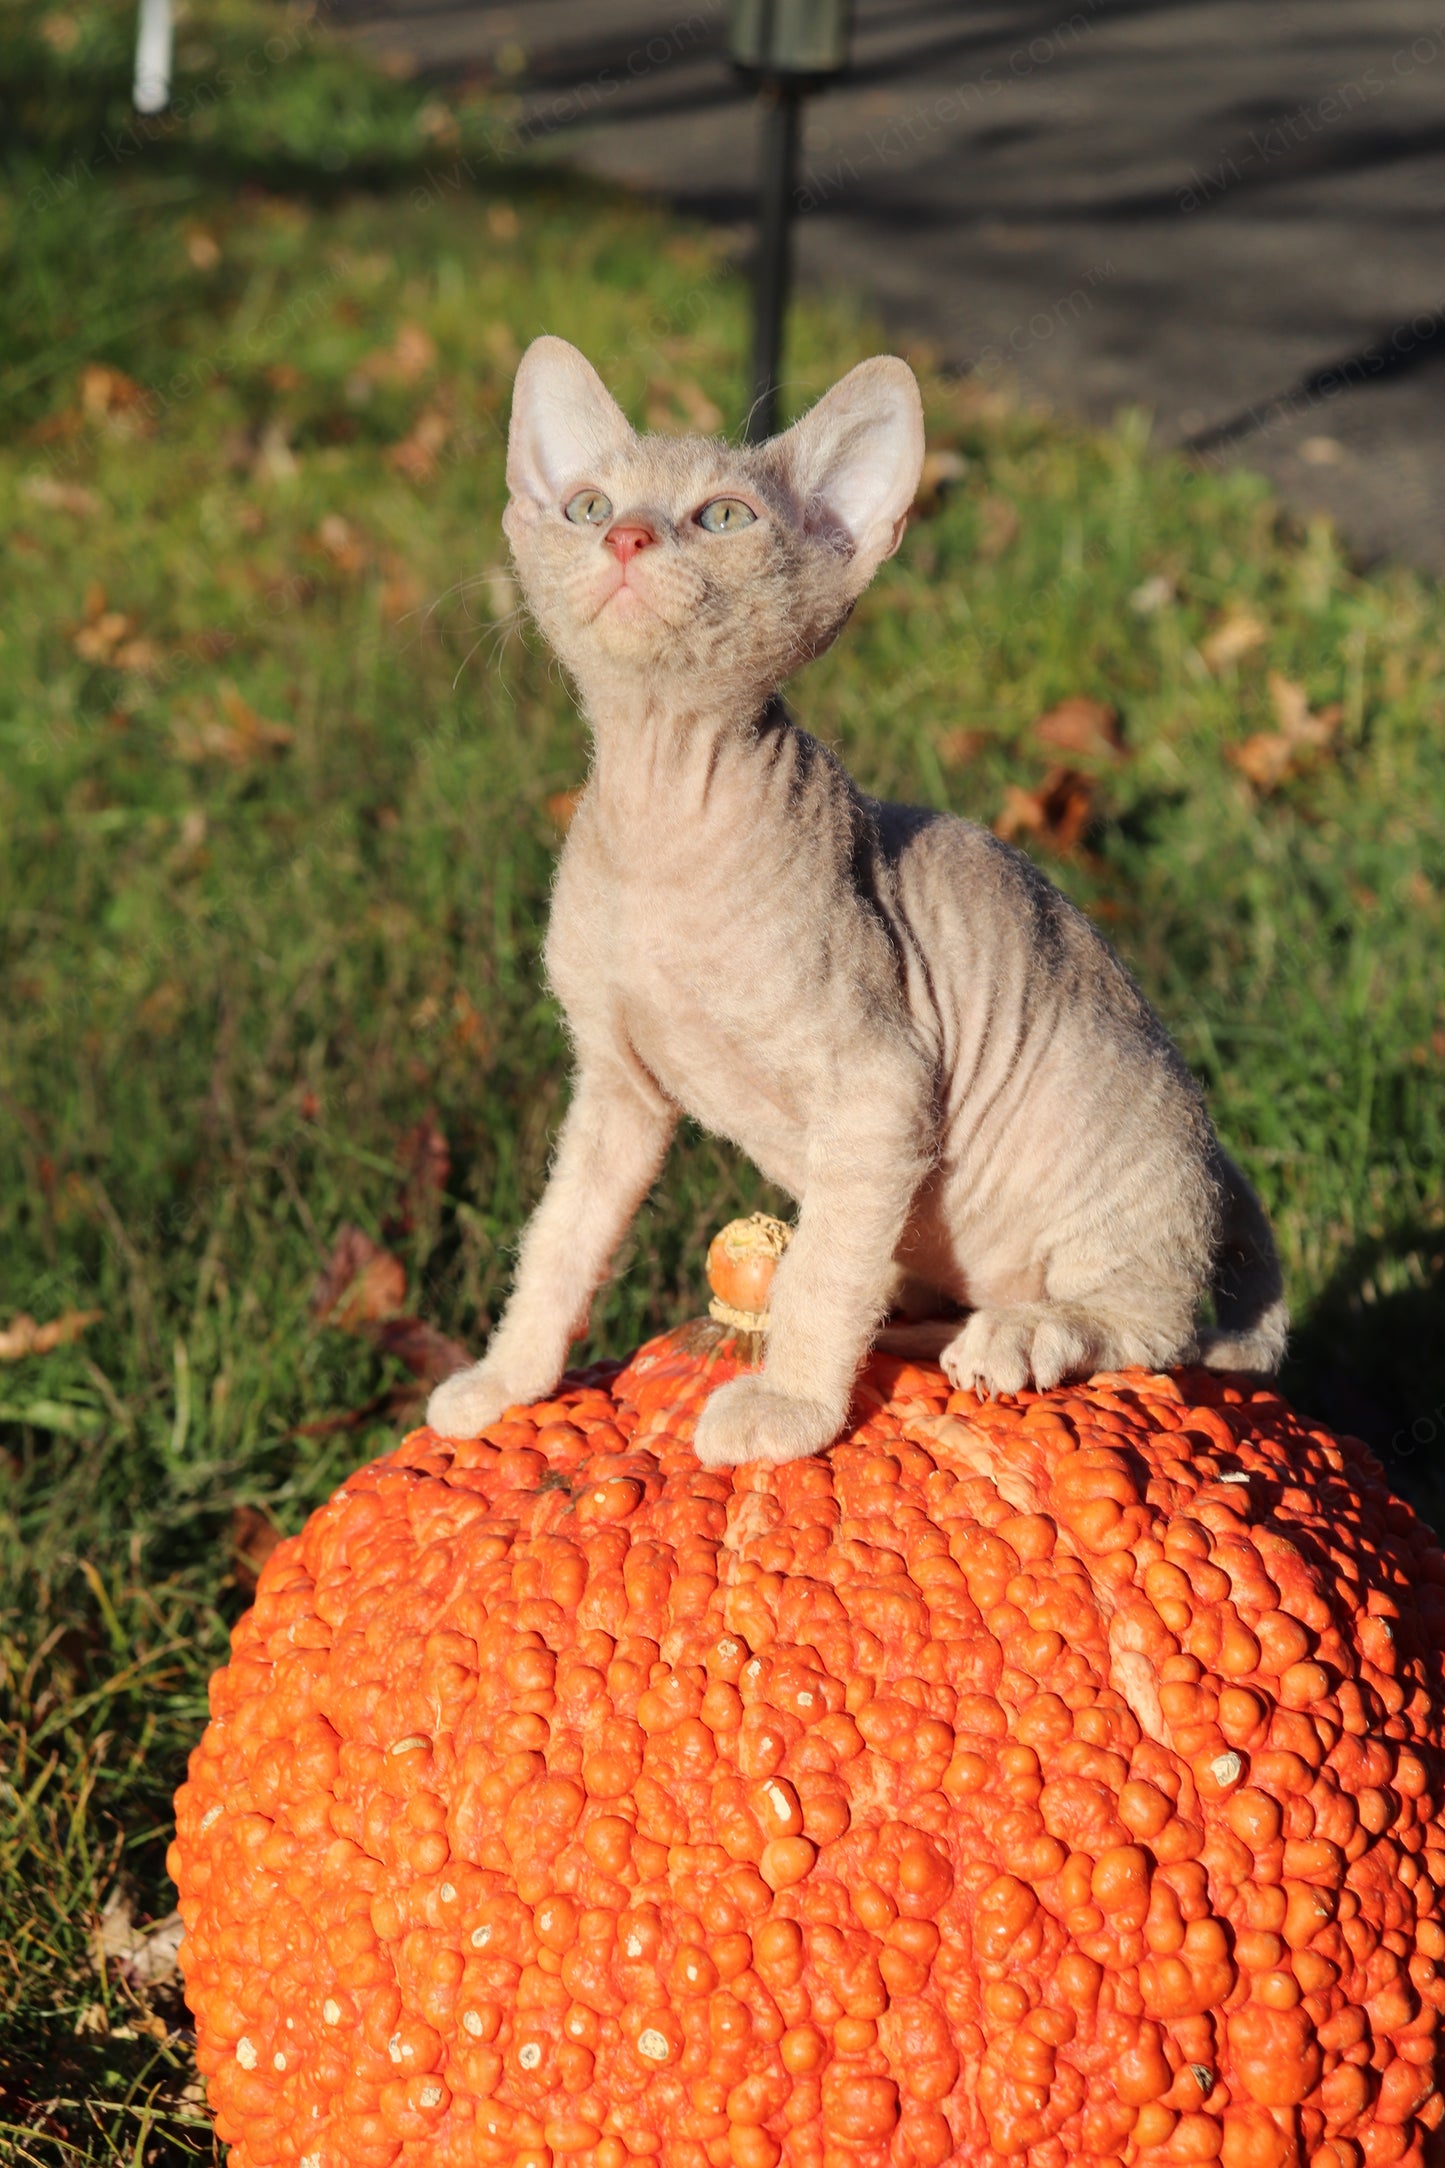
x=461, y=666
x=458, y=587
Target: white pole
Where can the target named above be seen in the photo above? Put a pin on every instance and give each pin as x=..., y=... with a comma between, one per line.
x=152, y=91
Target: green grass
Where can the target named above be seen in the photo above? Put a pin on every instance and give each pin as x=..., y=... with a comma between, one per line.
x=235, y=979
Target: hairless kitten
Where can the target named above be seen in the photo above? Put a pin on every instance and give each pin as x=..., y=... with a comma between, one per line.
x=893, y=1013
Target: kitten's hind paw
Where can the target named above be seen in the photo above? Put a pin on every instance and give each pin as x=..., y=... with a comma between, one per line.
x=749, y=1419
x=1002, y=1351
x=463, y=1405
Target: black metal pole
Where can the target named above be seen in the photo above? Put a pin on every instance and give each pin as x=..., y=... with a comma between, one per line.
x=779, y=105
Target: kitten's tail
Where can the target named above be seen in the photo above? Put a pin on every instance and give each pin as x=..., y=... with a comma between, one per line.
x=1248, y=1286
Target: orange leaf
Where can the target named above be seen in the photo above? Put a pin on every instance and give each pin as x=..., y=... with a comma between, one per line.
x=416, y=454
x=1057, y=812
x=342, y=543
x=427, y=1353
x=242, y=738
x=426, y=1157
x=360, y=1282
x=108, y=395
x=1271, y=757
x=22, y=1336
x=254, y=1536
x=1292, y=712
x=410, y=356
x=1237, y=634
x=1082, y=725
x=57, y=496
x=957, y=746
x=1266, y=759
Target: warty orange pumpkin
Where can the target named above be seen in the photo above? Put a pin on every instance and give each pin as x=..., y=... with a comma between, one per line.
x=1045, y=1782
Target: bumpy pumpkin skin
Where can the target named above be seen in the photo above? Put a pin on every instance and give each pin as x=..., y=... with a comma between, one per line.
x=1049, y=1782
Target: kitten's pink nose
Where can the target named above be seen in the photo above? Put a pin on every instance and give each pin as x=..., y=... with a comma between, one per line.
x=625, y=542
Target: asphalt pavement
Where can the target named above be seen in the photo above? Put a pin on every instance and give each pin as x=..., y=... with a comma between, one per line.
x=1229, y=212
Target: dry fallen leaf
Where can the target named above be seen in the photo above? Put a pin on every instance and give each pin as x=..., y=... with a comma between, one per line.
x=1271, y=757
x=1292, y=712
x=162, y=1009
x=254, y=1536
x=97, y=640
x=1057, y=812
x=239, y=735
x=428, y=1354
x=955, y=747
x=1266, y=759
x=1237, y=634
x=58, y=496
x=202, y=249
x=426, y=1162
x=110, y=396
x=342, y=543
x=470, y=1029
x=410, y=356
x=415, y=455
x=413, y=353
x=359, y=1283
x=109, y=636
x=22, y=1336
x=251, y=733
x=401, y=590
x=143, y=1956
x=561, y=806
x=1152, y=595
x=273, y=460
x=1082, y=725
x=438, y=122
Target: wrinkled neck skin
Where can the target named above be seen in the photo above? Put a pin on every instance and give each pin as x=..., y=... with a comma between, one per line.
x=670, y=760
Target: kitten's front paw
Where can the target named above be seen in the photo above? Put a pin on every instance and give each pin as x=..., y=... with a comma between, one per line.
x=463, y=1405
x=1002, y=1351
x=749, y=1419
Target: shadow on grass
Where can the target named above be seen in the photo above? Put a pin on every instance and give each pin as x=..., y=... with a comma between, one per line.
x=61, y=2091
x=1370, y=1359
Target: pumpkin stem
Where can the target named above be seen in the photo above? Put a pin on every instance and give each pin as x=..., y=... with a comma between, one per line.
x=741, y=1260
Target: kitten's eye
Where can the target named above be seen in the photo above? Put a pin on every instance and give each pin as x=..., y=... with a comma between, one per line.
x=589, y=508
x=725, y=515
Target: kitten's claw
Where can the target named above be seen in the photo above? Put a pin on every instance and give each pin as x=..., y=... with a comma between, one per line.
x=464, y=1404
x=748, y=1419
x=1002, y=1351
x=1043, y=1343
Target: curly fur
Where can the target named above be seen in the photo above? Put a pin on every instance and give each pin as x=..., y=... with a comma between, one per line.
x=903, y=1023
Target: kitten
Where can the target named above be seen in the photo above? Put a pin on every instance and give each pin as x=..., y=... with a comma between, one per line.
x=894, y=1014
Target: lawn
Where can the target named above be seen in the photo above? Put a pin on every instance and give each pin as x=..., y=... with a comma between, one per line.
x=282, y=779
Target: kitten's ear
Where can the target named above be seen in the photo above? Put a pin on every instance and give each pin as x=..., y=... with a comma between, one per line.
x=855, y=458
x=564, y=422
